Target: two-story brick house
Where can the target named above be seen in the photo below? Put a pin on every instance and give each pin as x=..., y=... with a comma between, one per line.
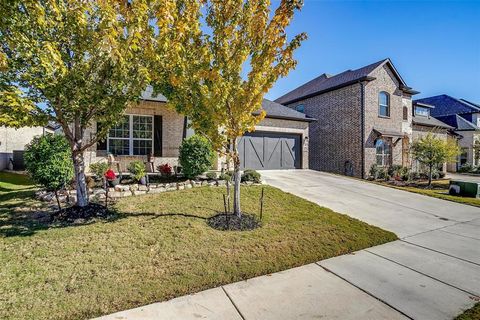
x=464, y=117
x=364, y=117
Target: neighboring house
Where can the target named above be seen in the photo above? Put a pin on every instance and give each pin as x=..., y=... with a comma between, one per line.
x=423, y=123
x=279, y=141
x=464, y=116
x=13, y=141
x=365, y=117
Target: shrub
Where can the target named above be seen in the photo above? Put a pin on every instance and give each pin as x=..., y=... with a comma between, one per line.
x=227, y=176
x=467, y=167
x=196, y=156
x=137, y=169
x=211, y=175
x=165, y=169
x=383, y=174
x=374, y=171
x=251, y=175
x=99, y=169
x=48, y=160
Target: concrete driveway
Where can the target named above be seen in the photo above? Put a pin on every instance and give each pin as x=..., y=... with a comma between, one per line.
x=432, y=272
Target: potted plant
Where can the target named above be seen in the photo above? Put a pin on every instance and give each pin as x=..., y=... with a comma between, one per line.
x=165, y=170
x=111, y=178
x=138, y=171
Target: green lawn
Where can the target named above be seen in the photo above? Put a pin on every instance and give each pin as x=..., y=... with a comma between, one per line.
x=439, y=190
x=158, y=248
x=470, y=314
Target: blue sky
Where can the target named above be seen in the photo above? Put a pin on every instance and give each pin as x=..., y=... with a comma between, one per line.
x=435, y=45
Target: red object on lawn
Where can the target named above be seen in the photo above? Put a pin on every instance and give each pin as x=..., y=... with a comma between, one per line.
x=110, y=175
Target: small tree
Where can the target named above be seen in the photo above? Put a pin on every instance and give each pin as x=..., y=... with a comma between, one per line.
x=196, y=156
x=48, y=160
x=223, y=65
x=433, y=151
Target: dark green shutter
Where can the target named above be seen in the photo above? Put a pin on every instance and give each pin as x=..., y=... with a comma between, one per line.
x=157, y=136
x=101, y=144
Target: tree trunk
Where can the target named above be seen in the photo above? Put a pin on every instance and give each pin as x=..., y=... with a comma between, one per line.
x=79, y=166
x=58, y=201
x=236, y=176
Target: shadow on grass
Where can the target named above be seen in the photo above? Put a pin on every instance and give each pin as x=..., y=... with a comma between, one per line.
x=20, y=219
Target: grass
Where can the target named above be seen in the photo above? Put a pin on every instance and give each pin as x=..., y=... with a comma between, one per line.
x=439, y=190
x=158, y=248
x=471, y=314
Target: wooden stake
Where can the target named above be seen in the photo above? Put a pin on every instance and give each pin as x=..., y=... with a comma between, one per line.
x=261, y=205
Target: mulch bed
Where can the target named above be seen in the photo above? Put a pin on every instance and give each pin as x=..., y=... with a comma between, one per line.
x=77, y=214
x=232, y=222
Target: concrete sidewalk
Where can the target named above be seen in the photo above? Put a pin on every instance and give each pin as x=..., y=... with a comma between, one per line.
x=432, y=272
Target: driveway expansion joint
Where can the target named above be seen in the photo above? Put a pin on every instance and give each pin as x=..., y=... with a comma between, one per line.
x=363, y=290
x=233, y=303
x=419, y=272
x=452, y=256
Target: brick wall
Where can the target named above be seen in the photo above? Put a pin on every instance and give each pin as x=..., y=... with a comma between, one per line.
x=335, y=138
x=172, y=131
x=385, y=81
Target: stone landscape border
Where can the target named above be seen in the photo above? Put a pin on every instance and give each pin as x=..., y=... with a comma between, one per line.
x=128, y=190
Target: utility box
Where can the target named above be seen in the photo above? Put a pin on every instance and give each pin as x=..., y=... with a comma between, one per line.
x=463, y=188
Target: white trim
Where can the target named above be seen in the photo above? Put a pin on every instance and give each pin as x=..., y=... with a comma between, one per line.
x=131, y=138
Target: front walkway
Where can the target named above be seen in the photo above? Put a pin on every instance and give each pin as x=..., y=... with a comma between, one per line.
x=432, y=272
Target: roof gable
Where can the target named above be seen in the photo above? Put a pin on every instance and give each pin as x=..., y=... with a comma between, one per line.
x=325, y=82
x=446, y=105
x=458, y=122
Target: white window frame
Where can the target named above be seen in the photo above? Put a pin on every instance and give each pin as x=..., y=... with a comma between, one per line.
x=131, y=138
x=386, y=106
x=422, y=115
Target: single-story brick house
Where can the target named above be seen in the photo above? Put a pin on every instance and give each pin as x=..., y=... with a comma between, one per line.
x=280, y=141
x=365, y=117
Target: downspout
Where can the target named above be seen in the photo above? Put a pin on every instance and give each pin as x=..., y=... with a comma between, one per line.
x=362, y=125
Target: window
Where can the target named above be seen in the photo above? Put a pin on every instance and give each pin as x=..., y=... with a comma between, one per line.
x=300, y=108
x=132, y=136
x=405, y=113
x=383, y=152
x=384, y=104
x=421, y=111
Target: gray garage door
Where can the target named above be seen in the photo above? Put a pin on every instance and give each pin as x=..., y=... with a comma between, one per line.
x=264, y=150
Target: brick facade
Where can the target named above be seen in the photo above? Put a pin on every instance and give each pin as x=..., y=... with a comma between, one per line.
x=335, y=138
x=336, y=143
x=173, y=131
x=386, y=81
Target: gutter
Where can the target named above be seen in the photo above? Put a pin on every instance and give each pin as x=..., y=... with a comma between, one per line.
x=362, y=125
x=291, y=118
x=345, y=84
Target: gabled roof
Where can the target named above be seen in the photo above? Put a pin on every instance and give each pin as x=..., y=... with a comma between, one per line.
x=326, y=82
x=277, y=111
x=430, y=122
x=446, y=105
x=458, y=122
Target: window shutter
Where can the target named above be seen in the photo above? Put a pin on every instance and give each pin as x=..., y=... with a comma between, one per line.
x=157, y=136
x=101, y=144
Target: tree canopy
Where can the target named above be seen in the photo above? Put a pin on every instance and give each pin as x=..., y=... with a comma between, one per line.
x=223, y=64
x=72, y=62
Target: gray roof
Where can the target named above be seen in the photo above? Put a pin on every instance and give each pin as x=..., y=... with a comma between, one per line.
x=463, y=124
x=148, y=95
x=430, y=122
x=279, y=111
x=326, y=82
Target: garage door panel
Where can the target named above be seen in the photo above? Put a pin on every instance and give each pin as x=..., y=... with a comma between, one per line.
x=263, y=150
